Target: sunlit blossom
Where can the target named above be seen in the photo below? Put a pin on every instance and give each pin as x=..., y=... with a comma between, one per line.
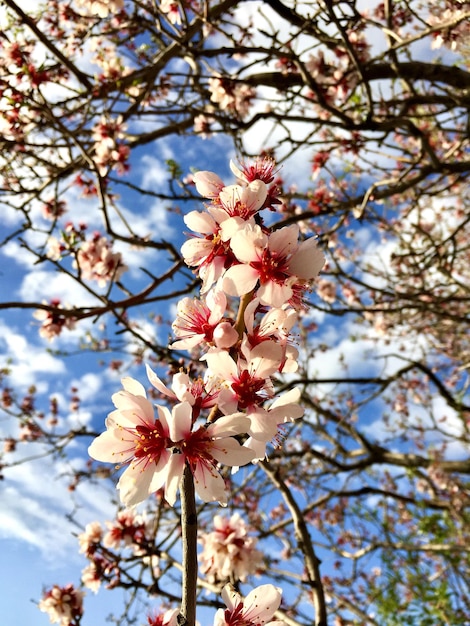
x=256, y=609
x=156, y=451
x=274, y=262
x=200, y=321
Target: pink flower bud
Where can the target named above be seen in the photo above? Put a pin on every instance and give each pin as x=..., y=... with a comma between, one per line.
x=208, y=184
x=225, y=335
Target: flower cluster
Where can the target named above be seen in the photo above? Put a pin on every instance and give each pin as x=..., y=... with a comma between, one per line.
x=235, y=255
x=52, y=321
x=229, y=553
x=157, y=449
x=97, y=261
x=64, y=605
x=128, y=531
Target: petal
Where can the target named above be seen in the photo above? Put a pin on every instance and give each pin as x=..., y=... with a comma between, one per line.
x=261, y=603
x=208, y=184
x=134, y=484
x=200, y=222
x=227, y=425
x=133, y=386
x=157, y=383
x=229, y=452
x=284, y=241
x=239, y=279
x=221, y=364
x=194, y=251
x=264, y=359
x=307, y=261
x=248, y=243
x=181, y=421
x=209, y=484
x=109, y=448
x=274, y=294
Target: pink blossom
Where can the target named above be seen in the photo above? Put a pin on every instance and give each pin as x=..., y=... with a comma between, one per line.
x=210, y=253
x=231, y=95
x=172, y=11
x=243, y=202
x=208, y=184
x=198, y=321
x=156, y=451
x=64, y=605
x=129, y=530
x=245, y=383
x=276, y=262
x=168, y=618
x=53, y=322
x=202, y=125
x=264, y=423
x=228, y=551
x=202, y=450
x=275, y=323
x=102, y=8
x=199, y=394
x=134, y=437
x=256, y=609
x=262, y=169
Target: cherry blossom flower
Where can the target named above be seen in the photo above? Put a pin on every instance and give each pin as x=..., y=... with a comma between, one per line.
x=64, y=605
x=198, y=321
x=198, y=393
x=157, y=450
x=243, y=202
x=264, y=423
x=202, y=125
x=275, y=323
x=208, y=184
x=231, y=95
x=256, y=609
x=246, y=383
x=168, y=618
x=261, y=169
x=276, y=262
x=229, y=553
x=129, y=529
x=202, y=450
x=136, y=438
x=211, y=253
x=172, y=11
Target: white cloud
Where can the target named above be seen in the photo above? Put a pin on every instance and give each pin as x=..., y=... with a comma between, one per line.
x=37, y=501
x=27, y=360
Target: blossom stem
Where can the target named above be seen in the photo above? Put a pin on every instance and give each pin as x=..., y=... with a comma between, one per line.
x=187, y=615
x=240, y=323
